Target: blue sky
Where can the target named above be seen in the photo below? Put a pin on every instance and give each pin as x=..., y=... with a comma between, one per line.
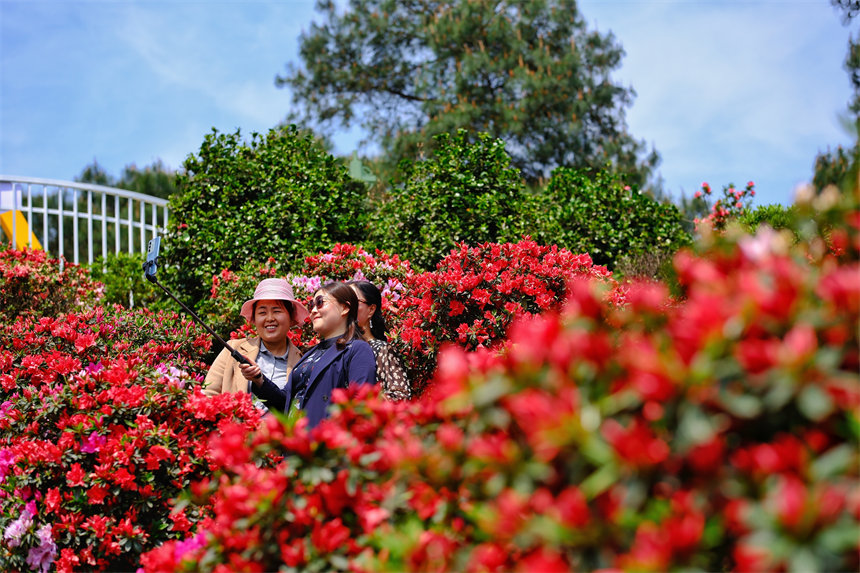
x=727, y=90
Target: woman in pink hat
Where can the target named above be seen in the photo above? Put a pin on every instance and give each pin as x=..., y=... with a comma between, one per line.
x=272, y=311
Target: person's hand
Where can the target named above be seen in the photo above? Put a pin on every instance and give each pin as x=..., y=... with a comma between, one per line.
x=252, y=372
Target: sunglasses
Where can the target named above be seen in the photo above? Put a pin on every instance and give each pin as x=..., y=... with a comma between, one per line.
x=317, y=302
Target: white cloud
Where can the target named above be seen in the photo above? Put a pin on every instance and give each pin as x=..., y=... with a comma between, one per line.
x=731, y=91
x=217, y=56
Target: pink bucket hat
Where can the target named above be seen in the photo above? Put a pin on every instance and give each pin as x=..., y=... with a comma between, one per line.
x=275, y=289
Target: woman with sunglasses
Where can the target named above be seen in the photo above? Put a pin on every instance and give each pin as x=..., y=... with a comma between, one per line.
x=389, y=370
x=272, y=311
x=340, y=359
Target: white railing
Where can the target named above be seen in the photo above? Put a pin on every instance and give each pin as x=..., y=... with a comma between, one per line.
x=125, y=219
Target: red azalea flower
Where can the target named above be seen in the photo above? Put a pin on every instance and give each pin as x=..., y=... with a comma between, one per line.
x=84, y=341
x=96, y=494
x=635, y=444
x=75, y=476
x=180, y=521
x=123, y=478
x=329, y=536
x=790, y=499
x=488, y=557
x=545, y=560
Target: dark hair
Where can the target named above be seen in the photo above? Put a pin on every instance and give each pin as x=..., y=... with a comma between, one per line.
x=345, y=296
x=291, y=310
x=372, y=295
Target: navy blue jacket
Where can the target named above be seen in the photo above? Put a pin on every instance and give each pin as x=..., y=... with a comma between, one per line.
x=355, y=364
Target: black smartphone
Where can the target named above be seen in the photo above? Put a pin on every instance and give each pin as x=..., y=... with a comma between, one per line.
x=150, y=267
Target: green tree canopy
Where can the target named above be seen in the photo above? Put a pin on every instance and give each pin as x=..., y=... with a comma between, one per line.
x=280, y=195
x=157, y=179
x=529, y=73
x=466, y=192
x=594, y=212
x=839, y=166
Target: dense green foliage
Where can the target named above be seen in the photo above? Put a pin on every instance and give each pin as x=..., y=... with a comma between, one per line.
x=777, y=216
x=464, y=192
x=280, y=195
x=594, y=212
x=124, y=282
x=529, y=73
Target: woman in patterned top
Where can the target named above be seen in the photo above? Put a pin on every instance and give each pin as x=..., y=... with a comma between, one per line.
x=389, y=370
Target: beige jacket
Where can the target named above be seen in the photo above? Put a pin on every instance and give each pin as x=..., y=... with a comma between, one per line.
x=225, y=376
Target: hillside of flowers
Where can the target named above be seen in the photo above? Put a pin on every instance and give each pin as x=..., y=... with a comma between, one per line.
x=566, y=420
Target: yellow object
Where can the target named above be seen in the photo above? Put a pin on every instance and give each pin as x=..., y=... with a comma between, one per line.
x=22, y=230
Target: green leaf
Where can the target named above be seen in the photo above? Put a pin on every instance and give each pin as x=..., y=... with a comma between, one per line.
x=839, y=537
x=833, y=463
x=599, y=481
x=803, y=561
x=741, y=405
x=815, y=403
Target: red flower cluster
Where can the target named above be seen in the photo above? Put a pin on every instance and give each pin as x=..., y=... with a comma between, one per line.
x=317, y=507
x=347, y=262
x=31, y=283
x=734, y=203
x=102, y=425
x=475, y=293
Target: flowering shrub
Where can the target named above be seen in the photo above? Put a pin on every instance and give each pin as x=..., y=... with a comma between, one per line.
x=718, y=432
x=307, y=503
x=474, y=294
x=102, y=424
x=31, y=283
x=733, y=204
x=350, y=262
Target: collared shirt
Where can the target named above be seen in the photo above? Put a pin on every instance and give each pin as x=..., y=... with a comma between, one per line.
x=274, y=368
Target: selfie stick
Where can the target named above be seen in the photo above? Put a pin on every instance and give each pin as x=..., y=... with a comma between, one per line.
x=150, y=267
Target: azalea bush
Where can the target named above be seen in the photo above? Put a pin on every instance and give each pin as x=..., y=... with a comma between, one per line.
x=32, y=283
x=733, y=204
x=476, y=292
x=103, y=423
x=307, y=501
x=350, y=262
x=718, y=431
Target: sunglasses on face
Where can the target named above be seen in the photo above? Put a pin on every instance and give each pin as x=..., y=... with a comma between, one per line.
x=317, y=302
